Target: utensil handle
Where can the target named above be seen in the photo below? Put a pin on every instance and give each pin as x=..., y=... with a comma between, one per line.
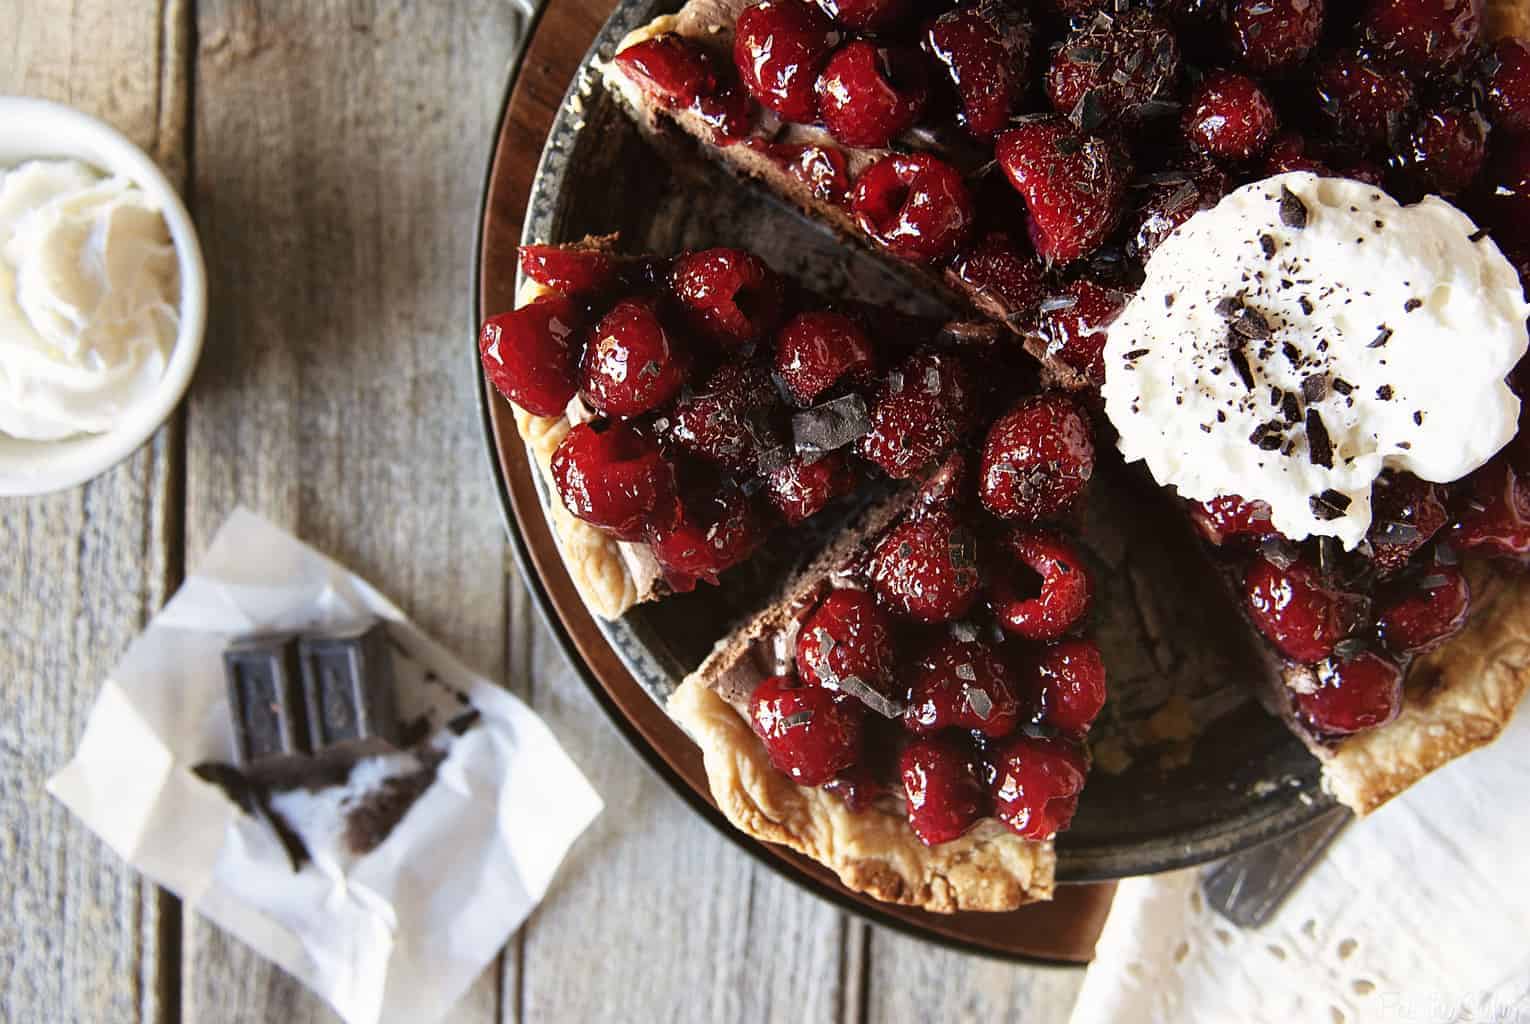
x=1247, y=888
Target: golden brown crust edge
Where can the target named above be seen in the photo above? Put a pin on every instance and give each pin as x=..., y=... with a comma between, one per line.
x=871, y=851
x=1460, y=697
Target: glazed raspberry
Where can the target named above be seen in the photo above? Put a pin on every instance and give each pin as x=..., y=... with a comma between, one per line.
x=728, y=295
x=926, y=568
x=810, y=734
x=631, y=364
x=858, y=786
x=1049, y=599
x=920, y=410
x=865, y=15
x=1351, y=696
x=985, y=51
x=848, y=634
x=816, y=351
x=712, y=531
x=1036, y=459
x=868, y=95
x=1302, y=617
x=529, y=355
x=728, y=114
x=669, y=68
x=1365, y=102
x=1115, y=67
x=1504, y=202
x=612, y=476
x=1418, y=615
x=824, y=171
x=1231, y=516
x=1426, y=34
x=1074, y=324
x=735, y=420
x=1035, y=785
x=1405, y=513
x=1229, y=117
x=963, y=684
x=804, y=484
x=1495, y=515
x=1172, y=199
x=1271, y=34
x=1508, y=90
x=1445, y=150
x=914, y=205
x=779, y=46
x=1072, y=185
x=945, y=794
x=1363, y=170
x=570, y=271
x=1289, y=153
x=1068, y=685
x=1003, y=271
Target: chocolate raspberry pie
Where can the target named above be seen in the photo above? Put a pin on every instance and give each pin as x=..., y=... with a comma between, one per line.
x=1179, y=220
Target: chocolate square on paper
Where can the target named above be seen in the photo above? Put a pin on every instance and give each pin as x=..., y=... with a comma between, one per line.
x=265, y=699
x=348, y=689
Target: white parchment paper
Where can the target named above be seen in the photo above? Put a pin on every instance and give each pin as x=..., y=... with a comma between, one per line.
x=397, y=934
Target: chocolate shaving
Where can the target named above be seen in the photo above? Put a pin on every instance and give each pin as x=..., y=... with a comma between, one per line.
x=1290, y=408
x=1319, y=447
x=870, y=696
x=1342, y=386
x=1228, y=306
x=1267, y=243
x=980, y=703
x=831, y=425
x=1278, y=551
x=1348, y=649
x=1384, y=392
x=1329, y=505
x=1315, y=387
x=1293, y=212
x=1268, y=435
x=1136, y=353
x=1478, y=235
x=1431, y=581
x=1251, y=324
x=966, y=673
x=1382, y=337
x=1393, y=532
x=797, y=718
x=1240, y=363
x=964, y=631
x=1306, y=305
x=1412, y=304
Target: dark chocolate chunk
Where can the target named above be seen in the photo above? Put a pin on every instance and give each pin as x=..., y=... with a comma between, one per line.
x=1319, y=447
x=1293, y=212
x=980, y=703
x=1240, y=363
x=1315, y=387
x=1228, y=305
x=1268, y=436
x=265, y=699
x=1412, y=304
x=348, y=688
x=1382, y=337
x=374, y=817
x=1342, y=386
x=1290, y=408
x=1384, y=392
x=1136, y=353
x=1267, y=243
x=1251, y=324
x=870, y=696
x=1331, y=504
x=1478, y=235
x=832, y=425
x=1306, y=305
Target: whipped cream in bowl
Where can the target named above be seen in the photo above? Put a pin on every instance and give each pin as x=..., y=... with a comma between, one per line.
x=102, y=297
x=1307, y=333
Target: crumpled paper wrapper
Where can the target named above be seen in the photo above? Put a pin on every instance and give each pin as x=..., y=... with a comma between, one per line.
x=397, y=933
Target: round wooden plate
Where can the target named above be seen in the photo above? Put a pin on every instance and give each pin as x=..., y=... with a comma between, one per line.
x=1248, y=780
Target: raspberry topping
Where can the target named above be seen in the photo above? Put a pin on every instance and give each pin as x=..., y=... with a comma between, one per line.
x=1445, y=150
x=1172, y=200
x=1231, y=516
x=868, y=95
x=1504, y=203
x=810, y=734
x=921, y=409
x=824, y=171
x=800, y=487
x=864, y=15
x=848, y=634
x=1298, y=614
x=1364, y=101
x=1426, y=34
x=816, y=351
x=728, y=295
x=612, y=476
x=1229, y=117
x=631, y=364
x=1068, y=686
x=669, y=68
x=1036, y=459
x=1508, y=91
x=914, y=205
x=735, y=420
x=1035, y=785
x=570, y=271
x=1495, y=519
x=1115, y=67
x=963, y=684
x=728, y=114
x=1046, y=602
x=1074, y=324
x=945, y=794
x=926, y=567
x=1289, y=153
x=779, y=46
x=1352, y=696
x=714, y=529
x=529, y=354
x=985, y=49
x=1421, y=614
x=1405, y=513
x=1272, y=34
x=1072, y=184
x=1003, y=271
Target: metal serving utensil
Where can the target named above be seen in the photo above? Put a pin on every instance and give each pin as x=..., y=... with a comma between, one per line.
x=1247, y=888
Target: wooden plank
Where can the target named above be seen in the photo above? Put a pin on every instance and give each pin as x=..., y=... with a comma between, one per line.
x=338, y=152
x=81, y=935
x=915, y=981
x=656, y=916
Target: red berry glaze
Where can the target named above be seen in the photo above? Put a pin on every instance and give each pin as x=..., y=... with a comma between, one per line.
x=728, y=295
x=1036, y=459
x=804, y=484
x=712, y=531
x=1171, y=202
x=1508, y=88
x=1268, y=35
x=779, y=46
x=1364, y=101
x=921, y=409
x=1113, y=67
x=612, y=476
x=940, y=781
x=1289, y=153
x=824, y=171
x=1003, y=272
x=529, y=354
x=1405, y=513
x=1072, y=184
x=1445, y=150
x=914, y=205
x=1504, y=198
x=848, y=634
x=1035, y=785
x=728, y=114
x=810, y=734
x=1229, y=117
x=1428, y=35
x=1419, y=615
x=1228, y=516
x=570, y=271
x=1294, y=610
x=985, y=50
x=631, y=364
x=736, y=418
x=926, y=568
x=816, y=351
x=868, y=95
x=669, y=68
x=1075, y=330
x=1351, y=696
x=1068, y=686
x=1045, y=591
x=963, y=684
x=867, y=15
x=1495, y=516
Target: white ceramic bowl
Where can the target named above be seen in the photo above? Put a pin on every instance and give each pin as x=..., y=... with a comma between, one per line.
x=33, y=129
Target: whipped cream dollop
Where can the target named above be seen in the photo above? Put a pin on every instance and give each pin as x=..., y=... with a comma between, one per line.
x=89, y=299
x=1307, y=333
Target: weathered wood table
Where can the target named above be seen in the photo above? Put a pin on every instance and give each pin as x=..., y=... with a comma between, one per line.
x=332, y=153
